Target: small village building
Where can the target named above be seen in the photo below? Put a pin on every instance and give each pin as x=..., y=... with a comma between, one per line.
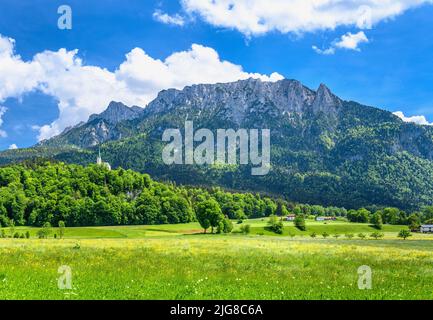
x=427, y=228
x=326, y=218
x=290, y=217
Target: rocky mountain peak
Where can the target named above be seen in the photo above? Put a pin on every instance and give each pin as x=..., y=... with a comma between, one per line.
x=325, y=100
x=116, y=112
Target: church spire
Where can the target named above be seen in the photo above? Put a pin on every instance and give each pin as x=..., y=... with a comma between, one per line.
x=99, y=160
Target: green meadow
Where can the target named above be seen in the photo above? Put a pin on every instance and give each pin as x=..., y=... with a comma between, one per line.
x=179, y=262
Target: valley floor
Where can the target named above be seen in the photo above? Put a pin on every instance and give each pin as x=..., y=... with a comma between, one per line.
x=177, y=262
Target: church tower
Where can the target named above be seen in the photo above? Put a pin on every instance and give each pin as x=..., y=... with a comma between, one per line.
x=99, y=161
x=99, y=158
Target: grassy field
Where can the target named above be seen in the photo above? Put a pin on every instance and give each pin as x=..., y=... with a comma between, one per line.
x=177, y=262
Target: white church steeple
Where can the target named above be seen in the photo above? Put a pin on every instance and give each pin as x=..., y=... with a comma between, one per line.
x=99, y=161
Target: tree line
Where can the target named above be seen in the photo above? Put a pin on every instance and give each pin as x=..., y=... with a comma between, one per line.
x=38, y=192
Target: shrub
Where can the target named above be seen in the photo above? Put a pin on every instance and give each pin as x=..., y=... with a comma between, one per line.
x=349, y=236
x=336, y=236
x=376, y=220
x=291, y=235
x=22, y=236
x=361, y=236
x=16, y=235
x=325, y=235
x=62, y=226
x=376, y=235
x=404, y=234
x=45, y=231
x=299, y=223
x=246, y=229
x=27, y=235
x=313, y=235
x=275, y=225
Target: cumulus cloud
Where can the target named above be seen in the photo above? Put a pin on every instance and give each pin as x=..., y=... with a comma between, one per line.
x=257, y=17
x=165, y=18
x=13, y=146
x=3, y=110
x=349, y=41
x=82, y=90
x=414, y=119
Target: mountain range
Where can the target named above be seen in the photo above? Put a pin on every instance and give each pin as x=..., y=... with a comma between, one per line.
x=325, y=150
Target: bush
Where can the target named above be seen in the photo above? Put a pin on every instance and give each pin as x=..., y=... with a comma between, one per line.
x=22, y=236
x=325, y=235
x=62, y=227
x=376, y=235
x=404, y=234
x=225, y=226
x=349, y=236
x=361, y=236
x=299, y=223
x=16, y=235
x=45, y=231
x=336, y=236
x=275, y=225
x=27, y=235
x=291, y=235
x=246, y=229
x=376, y=220
x=313, y=235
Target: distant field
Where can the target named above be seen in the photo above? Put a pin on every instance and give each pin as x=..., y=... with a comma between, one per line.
x=257, y=228
x=177, y=262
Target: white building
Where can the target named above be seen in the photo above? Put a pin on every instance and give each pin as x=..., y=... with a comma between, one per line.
x=99, y=161
x=290, y=217
x=427, y=228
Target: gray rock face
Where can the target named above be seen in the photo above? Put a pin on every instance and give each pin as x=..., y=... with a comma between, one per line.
x=300, y=118
x=240, y=101
x=98, y=129
x=287, y=95
x=325, y=100
x=116, y=112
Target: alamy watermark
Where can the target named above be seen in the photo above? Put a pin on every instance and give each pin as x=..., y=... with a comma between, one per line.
x=65, y=20
x=253, y=147
x=365, y=278
x=64, y=282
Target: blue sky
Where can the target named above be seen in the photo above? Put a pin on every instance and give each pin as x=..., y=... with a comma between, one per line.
x=393, y=70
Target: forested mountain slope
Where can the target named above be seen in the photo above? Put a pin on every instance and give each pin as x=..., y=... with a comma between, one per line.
x=325, y=150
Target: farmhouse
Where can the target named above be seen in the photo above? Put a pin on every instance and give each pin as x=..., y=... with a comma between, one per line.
x=427, y=228
x=290, y=217
x=326, y=218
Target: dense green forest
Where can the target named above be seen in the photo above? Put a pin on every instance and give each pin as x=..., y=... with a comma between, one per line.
x=37, y=192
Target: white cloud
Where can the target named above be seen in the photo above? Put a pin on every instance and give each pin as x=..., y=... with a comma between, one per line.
x=13, y=146
x=349, y=41
x=415, y=119
x=165, y=18
x=327, y=52
x=257, y=17
x=3, y=110
x=82, y=90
